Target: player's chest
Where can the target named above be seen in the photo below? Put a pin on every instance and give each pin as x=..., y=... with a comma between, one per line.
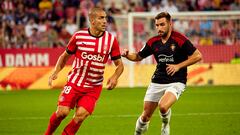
x=167, y=48
x=166, y=53
x=95, y=46
x=92, y=50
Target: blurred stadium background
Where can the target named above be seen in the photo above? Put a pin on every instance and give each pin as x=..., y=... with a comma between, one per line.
x=33, y=33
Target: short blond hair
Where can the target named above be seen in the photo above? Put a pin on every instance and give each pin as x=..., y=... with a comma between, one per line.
x=92, y=13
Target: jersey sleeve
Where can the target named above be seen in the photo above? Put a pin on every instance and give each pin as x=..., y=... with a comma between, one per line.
x=145, y=51
x=188, y=48
x=71, y=47
x=115, y=52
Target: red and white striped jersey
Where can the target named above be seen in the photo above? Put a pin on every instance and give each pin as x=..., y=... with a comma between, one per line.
x=91, y=55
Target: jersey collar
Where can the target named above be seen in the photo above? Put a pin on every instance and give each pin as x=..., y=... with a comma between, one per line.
x=95, y=36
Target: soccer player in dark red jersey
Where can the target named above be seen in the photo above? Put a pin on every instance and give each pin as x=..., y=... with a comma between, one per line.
x=91, y=48
x=173, y=53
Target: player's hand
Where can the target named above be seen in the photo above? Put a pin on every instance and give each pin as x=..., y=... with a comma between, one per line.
x=172, y=69
x=111, y=83
x=125, y=52
x=52, y=77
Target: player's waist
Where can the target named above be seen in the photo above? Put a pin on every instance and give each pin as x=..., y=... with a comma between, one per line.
x=167, y=80
x=85, y=86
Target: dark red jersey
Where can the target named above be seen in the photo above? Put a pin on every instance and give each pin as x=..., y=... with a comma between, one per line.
x=174, y=51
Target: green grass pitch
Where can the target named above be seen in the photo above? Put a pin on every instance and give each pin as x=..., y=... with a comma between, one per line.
x=205, y=110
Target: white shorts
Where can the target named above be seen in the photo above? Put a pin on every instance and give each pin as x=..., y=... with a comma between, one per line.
x=155, y=91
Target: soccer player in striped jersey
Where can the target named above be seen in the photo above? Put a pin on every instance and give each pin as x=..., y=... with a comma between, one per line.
x=173, y=53
x=91, y=48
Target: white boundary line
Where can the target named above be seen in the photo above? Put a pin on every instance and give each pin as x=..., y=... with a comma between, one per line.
x=126, y=116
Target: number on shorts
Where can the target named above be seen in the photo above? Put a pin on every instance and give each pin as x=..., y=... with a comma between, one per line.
x=67, y=89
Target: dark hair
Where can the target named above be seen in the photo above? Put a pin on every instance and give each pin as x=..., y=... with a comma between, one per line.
x=163, y=15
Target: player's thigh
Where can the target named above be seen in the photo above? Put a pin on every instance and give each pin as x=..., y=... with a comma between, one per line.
x=167, y=100
x=89, y=99
x=171, y=95
x=176, y=89
x=154, y=92
x=87, y=102
x=68, y=96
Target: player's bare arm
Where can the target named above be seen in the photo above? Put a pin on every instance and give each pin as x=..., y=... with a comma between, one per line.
x=112, y=81
x=62, y=60
x=194, y=58
x=131, y=56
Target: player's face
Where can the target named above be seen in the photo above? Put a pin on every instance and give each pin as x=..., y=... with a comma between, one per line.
x=100, y=22
x=162, y=26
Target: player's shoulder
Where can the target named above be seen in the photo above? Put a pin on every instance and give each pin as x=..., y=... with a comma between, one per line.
x=81, y=32
x=153, y=39
x=179, y=37
x=178, y=34
x=109, y=34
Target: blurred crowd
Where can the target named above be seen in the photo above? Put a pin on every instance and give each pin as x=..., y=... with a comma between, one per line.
x=50, y=23
x=212, y=32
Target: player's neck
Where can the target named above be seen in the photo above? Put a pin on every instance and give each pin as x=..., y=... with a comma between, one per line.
x=94, y=32
x=164, y=39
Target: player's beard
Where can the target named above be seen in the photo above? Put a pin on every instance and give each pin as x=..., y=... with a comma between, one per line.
x=164, y=33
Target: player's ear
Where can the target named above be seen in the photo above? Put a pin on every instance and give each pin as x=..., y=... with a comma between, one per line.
x=170, y=22
x=92, y=22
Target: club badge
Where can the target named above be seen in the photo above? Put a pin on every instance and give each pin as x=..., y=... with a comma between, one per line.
x=173, y=47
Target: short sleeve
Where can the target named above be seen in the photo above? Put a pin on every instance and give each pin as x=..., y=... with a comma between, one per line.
x=71, y=47
x=115, y=52
x=188, y=48
x=145, y=51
